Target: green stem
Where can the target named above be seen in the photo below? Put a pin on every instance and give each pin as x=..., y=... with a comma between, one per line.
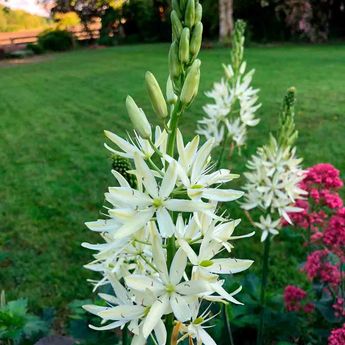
x=125, y=336
x=175, y=116
x=221, y=155
x=228, y=326
x=264, y=278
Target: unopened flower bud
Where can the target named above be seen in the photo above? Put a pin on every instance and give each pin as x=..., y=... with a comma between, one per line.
x=176, y=7
x=176, y=25
x=243, y=67
x=198, y=13
x=175, y=67
x=191, y=83
x=189, y=18
x=171, y=97
x=229, y=73
x=184, y=46
x=156, y=96
x=195, y=42
x=138, y=118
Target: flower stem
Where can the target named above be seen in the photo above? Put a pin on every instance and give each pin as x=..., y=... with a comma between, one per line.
x=125, y=336
x=175, y=116
x=264, y=278
x=228, y=326
x=221, y=155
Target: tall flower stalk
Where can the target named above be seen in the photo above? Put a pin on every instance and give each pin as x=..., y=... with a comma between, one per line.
x=235, y=101
x=163, y=231
x=273, y=187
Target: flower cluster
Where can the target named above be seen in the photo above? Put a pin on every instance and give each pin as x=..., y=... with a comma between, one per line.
x=163, y=233
x=274, y=176
x=323, y=222
x=235, y=101
x=319, y=267
x=337, y=336
x=295, y=300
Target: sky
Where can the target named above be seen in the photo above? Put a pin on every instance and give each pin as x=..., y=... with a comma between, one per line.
x=30, y=6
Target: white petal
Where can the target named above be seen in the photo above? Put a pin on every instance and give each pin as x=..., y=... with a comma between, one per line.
x=229, y=266
x=189, y=251
x=112, y=325
x=180, y=307
x=165, y=223
x=180, y=205
x=143, y=283
x=156, y=312
x=169, y=181
x=221, y=194
x=193, y=287
x=130, y=197
x=160, y=333
x=205, y=337
x=178, y=266
x=129, y=228
x=103, y=225
x=127, y=312
x=123, y=144
x=159, y=257
x=149, y=180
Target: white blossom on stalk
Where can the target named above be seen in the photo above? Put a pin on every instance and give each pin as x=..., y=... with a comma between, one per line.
x=235, y=101
x=274, y=175
x=163, y=237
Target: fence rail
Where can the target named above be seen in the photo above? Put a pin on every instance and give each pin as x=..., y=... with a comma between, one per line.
x=17, y=39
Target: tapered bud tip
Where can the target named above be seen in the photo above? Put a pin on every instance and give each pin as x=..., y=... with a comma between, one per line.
x=156, y=96
x=292, y=89
x=138, y=118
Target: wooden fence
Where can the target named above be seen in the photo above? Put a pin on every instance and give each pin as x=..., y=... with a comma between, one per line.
x=12, y=40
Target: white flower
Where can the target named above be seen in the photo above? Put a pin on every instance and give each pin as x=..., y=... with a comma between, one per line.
x=222, y=120
x=268, y=227
x=273, y=183
x=135, y=208
x=141, y=147
x=196, y=328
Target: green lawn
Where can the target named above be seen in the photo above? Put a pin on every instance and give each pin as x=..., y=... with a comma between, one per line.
x=54, y=169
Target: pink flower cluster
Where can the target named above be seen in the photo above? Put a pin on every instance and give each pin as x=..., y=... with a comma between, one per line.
x=322, y=175
x=339, y=307
x=337, y=336
x=295, y=299
x=318, y=267
x=323, y=217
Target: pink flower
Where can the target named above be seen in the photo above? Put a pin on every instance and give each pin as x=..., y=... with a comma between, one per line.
x=334, y=234
x=331, y=199
x=339, y=307
x=317, y=267
x=337, y=336
x=293, y=296
x=324, y=175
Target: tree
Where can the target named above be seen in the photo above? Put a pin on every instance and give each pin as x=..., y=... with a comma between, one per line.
x=226, y=20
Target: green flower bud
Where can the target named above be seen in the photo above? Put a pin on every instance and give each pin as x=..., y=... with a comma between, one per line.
x=176, y=7
x=156, y=96
x=198, y=13
x=175, y=67
x=138, y=118
x=191, y=84
x=176, y=25
x=184, y=46
x=171, y=97
x=122, y=166
x=183, y=4
x=189, y=18
x=196, y=40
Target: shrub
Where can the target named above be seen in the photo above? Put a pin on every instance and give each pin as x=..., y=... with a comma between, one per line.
x=56, y=40
x=35, y=48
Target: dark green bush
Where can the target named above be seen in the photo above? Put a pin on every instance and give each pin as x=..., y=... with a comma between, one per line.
x=35, y=48
x=56, y=40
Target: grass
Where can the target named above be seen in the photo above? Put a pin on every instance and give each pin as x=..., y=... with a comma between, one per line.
x=54, y=169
